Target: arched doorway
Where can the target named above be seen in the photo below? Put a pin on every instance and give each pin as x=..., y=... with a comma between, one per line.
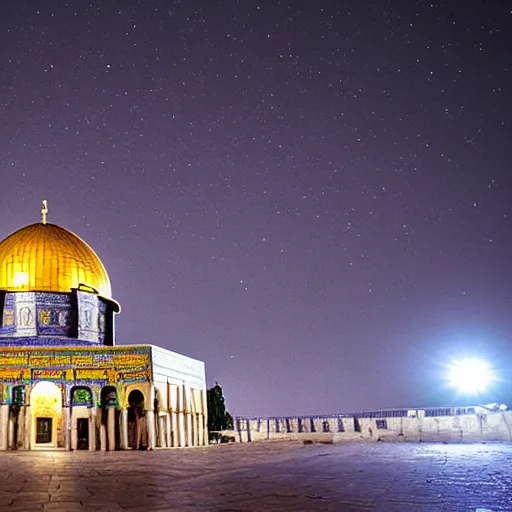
x=17, y=418
x=109, y=419
x=137, y=431
x=82, y=428
x=46, y=408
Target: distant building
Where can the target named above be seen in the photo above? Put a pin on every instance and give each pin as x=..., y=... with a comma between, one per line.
x=63, y=382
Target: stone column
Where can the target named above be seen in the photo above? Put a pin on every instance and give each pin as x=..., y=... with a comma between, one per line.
x=174, y=430
x=168, y=430
x=163, y=431
x=158, y=430
x=193, y=429
x=181, y=429
x=103, y=438
x=73, y=431
x=4, y=427
x=11, y=441
x=111, y=426
x=138, y=434
x=204, y=406
x=18, y=441
x=187, y=413
x=123, y=420
x=68, y=427
x=205, y=430
x=190, y=438
x=150, y=419
x=27, y=431
x=181, y=415
x=160, y=435
x=92, y=430
x=150, y=416
x=200, y=430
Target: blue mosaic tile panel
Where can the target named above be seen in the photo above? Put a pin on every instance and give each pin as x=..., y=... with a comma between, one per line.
x=54, y=314
x=8, y=325
x=88, y=316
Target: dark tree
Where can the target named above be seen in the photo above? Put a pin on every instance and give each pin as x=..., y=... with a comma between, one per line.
x=218, y=417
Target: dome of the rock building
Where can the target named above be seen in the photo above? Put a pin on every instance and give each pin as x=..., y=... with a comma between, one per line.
x=48, y=258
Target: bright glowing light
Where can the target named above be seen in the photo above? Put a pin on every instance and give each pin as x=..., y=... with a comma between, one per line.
x=470, y=375
x=20, y=279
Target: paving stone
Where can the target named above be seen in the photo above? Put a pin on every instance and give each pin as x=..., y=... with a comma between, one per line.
x=273, y=476
x=23, y=507
x=71, y=506
x=34, y=497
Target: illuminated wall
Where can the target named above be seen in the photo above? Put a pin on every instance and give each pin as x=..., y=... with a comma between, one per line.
x=92, y=367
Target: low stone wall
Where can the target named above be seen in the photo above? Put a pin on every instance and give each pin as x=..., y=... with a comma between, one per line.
x=454, y=425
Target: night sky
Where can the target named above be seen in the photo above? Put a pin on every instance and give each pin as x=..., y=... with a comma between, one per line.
x=312, y=197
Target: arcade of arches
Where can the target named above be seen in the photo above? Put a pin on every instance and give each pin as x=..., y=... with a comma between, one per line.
x=145, y=417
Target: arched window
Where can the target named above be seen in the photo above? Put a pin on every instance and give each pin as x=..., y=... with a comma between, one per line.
x=18, y=395
x=81, y=396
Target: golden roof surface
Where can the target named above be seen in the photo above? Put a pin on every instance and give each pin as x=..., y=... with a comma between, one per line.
x=47, y=258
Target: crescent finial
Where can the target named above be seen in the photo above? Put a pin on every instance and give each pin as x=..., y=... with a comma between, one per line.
x=44, y=211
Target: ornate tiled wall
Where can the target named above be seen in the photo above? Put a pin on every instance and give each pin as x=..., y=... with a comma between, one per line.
x=54, y=315
x=90, y=367
x=39, y=318
x=91, y=317
x=8, y=325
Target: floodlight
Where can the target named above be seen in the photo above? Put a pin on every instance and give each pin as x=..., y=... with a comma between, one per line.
x=470, y=375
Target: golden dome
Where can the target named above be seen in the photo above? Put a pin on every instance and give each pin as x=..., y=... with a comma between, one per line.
x=47, y=258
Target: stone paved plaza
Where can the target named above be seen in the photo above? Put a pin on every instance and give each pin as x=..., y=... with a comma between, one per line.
x=263, y=476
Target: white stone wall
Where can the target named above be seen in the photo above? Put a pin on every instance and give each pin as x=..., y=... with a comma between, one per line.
x=181, y=385
x=492, y=426
x=170, y=366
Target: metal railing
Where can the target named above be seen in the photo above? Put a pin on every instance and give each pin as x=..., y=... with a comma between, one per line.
x=378, y=414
